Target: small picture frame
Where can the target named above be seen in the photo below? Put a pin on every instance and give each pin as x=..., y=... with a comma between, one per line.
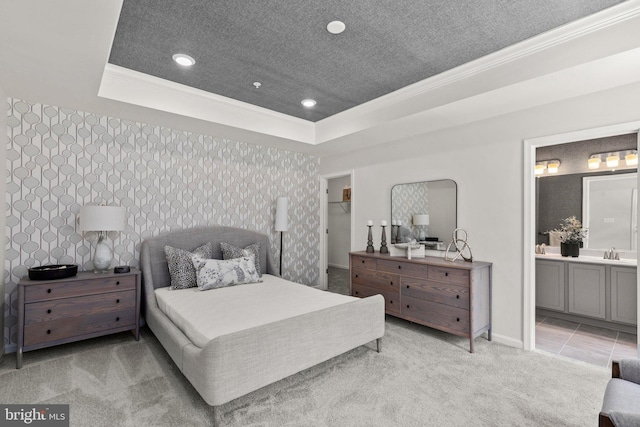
x=346, y=195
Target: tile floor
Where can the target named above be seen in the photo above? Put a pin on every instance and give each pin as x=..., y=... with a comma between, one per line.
x=590, y=344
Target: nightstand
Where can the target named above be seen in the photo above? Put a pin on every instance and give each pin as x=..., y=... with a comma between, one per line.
x=88, y=305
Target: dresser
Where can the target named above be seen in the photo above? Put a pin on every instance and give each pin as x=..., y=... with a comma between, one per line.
x=454, y=297
x=52, y=312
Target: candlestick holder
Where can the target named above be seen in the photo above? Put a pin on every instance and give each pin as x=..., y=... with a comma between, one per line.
x=370, y=248
x=383, y=248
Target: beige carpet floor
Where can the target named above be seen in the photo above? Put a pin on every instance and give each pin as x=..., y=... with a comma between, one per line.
x=422, y=378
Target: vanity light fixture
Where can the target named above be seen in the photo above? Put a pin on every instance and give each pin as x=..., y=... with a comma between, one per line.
x=308, y=103
x=183, y=59
x=550, y=165
x=613, y=159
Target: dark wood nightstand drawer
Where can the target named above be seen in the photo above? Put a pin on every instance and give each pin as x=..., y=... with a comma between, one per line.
x=53, y=330
x=453, y=295
x=449, y=275
x=391, y=300
x=45, y=311
x=375, y=279
x=72, y=288
x=363, y=262
x=403, y=268
x=439, y=315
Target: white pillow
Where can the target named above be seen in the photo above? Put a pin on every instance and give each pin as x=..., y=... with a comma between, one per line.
x=217, y=273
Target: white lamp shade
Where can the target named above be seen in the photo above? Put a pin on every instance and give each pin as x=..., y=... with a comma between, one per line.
x=421, y=219
x=102, y=218
x=282, y=220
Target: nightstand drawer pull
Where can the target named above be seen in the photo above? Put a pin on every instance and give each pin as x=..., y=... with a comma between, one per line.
x=356, y=293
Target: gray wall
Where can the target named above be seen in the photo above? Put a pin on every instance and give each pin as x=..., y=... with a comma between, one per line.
x=59, y=159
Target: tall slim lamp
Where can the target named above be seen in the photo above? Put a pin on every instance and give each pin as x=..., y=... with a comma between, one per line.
x=282, y=222
x=102, y=219
x=421, y=220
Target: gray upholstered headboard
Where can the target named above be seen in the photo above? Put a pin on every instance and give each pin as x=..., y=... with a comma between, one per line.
x=153, y=263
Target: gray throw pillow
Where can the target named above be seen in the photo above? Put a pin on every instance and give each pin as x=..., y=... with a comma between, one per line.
x=231, y=252
x=216, y=273
x=181, y=270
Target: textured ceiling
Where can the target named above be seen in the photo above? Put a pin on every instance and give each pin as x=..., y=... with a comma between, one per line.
x=284, y=44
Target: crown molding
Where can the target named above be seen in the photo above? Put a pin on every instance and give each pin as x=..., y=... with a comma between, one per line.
x=122, y=84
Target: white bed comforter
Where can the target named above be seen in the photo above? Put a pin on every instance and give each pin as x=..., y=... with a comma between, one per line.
x=204, y=315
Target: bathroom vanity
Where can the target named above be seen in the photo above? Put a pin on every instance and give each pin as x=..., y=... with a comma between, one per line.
x=587, y=289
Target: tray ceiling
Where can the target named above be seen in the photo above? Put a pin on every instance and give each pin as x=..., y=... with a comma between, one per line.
x=285, y=46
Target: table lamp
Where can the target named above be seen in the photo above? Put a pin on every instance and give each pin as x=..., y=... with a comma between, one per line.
x=102, y=219
x=421, y=220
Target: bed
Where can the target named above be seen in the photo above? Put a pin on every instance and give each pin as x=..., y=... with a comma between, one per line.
x=230, y=341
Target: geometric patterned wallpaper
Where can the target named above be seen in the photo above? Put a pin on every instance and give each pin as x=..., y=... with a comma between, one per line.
x=60, y=159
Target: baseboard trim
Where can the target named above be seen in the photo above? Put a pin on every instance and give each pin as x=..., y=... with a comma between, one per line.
x=502, y=339
x=339, y=266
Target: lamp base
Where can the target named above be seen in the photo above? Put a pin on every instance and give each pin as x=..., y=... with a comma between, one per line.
x=102, y=256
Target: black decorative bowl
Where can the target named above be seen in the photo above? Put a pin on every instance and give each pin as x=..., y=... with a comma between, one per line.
x=53, y=272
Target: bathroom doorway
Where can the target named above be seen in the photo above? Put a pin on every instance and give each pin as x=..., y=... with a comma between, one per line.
x=584, y=308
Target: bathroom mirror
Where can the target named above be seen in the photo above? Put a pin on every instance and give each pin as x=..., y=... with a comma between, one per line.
x=430, y=204
x=609, y=211
x=604, y=202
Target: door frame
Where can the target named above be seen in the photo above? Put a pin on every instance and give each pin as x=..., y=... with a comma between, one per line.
x=324, y=223
x=529, y=158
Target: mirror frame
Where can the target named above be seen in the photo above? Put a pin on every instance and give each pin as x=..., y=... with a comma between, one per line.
x=455, y=205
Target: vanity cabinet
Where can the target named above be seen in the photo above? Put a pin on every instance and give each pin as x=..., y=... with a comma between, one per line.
x=454, y=297
x=624, y=295
x=579, y=291
x=550, y=285
x=587, y=290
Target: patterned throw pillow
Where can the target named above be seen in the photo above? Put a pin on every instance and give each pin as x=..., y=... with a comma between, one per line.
x=181, y=270
x=216, y=273
x=231, y=252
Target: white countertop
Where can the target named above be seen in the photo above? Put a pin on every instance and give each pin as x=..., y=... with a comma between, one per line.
x=624, y=262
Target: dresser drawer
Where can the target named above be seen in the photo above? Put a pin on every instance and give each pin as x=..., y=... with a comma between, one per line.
x=444, y=293
x=363, y=262
x=391, y=299
x=449, y=275
x=61, y=329
x=434, y=314
x=375, y=279
x=403, y=268
x=45, y=311
x=52, y=290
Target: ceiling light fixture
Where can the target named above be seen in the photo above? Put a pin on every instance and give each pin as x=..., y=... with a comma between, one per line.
x=184, y=60
x=257, y=85
x=336, y=27
x=308, y=103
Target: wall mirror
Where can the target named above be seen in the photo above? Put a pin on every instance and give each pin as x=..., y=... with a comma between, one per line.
x=605, y=203
x=428, y=209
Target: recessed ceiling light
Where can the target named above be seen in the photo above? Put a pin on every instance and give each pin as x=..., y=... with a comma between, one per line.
x=308, y=103
x=257, y=85
x=184, y=60
x=336, y=27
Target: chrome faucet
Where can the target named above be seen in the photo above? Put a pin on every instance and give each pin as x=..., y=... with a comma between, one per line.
x=611, y=254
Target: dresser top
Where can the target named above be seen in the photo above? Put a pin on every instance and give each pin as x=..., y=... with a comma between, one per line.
x=82, y=275
x=427, y=260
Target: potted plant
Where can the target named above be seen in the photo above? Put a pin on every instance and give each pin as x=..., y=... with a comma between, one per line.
x=571, y=234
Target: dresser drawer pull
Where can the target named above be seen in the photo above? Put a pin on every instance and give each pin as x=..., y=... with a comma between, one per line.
x=407, y=305
x=391, y=283
x=457, y=296
x=117, y=283
x=356, y=276
x=117, y=319
x=118, y=301
x=390, y=301
x=407, y=286
x=49, y=311
x=49, y=290
x=356, y=293
x=399, y=267
x=446, y=274
x=363, y=261
x=48, y=331
x=457, y=319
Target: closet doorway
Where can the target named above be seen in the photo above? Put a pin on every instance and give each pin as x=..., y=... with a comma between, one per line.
x=337, y=223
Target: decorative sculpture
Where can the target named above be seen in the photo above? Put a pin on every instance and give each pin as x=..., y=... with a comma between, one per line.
x=460, y=250
x=370, y=248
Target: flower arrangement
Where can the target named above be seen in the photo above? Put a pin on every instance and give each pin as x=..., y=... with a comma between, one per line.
x=571, y=230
